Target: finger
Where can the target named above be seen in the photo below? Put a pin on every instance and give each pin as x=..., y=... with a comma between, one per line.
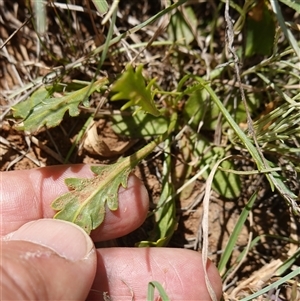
x=27, y=195
x=126, y=272
x=47, y=260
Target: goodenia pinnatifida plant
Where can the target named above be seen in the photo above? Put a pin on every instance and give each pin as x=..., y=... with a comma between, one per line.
x=86, y=201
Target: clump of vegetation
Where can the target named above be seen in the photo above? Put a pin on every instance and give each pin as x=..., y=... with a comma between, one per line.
x=212, y=88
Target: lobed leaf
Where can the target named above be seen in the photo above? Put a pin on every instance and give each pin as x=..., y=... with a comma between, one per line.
x=43, y=110
x=85, y=203
x=131, y=85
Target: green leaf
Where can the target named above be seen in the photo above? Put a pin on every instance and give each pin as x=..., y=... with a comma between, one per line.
x=183, y=25
x=43, y=110
x=295, y=4
x=131, y=86
x=140, y=125
x=200, y=108
x=227, y=184
x=165, y=216
x=101, y=6
x=260, y=28
x=235, y=234
x=287, y=32
x=84, y=205
x=23, y=109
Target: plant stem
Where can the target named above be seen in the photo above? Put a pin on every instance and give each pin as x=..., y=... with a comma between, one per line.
x=136, y=158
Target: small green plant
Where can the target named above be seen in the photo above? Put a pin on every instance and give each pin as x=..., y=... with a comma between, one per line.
x=85, y=203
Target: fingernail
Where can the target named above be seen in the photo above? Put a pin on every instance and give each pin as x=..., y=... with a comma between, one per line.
x=66, y=239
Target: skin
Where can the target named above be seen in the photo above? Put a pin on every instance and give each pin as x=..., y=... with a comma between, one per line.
x=46, y=259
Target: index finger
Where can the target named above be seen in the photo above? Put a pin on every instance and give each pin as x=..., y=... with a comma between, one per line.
x=26, y=195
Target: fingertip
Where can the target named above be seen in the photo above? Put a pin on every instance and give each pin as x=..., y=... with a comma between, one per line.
x=47, y=260
x=27, y=196
x=131, y=213
x=66, y=239
x=179, y=271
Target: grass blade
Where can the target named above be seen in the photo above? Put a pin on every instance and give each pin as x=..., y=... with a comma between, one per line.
x=292, y=4
x=261, y=162
x=234, y=235
x=288, y=34
x=101, y=6
x=273, y=285
x=156, y=285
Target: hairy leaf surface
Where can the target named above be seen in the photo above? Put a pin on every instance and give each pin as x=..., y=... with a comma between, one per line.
x=85, y=203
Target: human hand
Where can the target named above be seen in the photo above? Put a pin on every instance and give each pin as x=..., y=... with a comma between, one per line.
x=46, y=259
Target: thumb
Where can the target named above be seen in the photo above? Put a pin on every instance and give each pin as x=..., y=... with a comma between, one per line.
x=47, y=260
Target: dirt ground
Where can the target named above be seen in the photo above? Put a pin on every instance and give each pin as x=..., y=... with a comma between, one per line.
x=20, y=150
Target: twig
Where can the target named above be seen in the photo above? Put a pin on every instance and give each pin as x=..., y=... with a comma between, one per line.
x=47, y=150
x=11, y=36
x=23, y=153
x=230, y=39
